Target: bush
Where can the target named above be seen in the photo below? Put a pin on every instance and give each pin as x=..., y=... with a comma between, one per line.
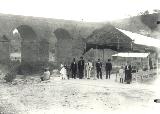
x=12, y=71
x=9, y=77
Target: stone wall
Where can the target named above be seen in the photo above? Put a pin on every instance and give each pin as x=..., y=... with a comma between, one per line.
x=4, y=50
x=29, y=51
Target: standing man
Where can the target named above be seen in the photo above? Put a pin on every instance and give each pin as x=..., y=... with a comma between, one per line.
x=99, y=69
x=74, y=68
x=88, y=69
x=81, y=67
x=108, y=69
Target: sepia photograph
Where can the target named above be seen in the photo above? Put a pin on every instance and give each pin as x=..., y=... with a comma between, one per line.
x=79, y=56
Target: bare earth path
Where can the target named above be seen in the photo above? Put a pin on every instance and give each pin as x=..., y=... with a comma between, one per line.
x=77, y=96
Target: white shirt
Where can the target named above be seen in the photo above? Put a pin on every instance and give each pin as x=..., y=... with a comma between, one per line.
x=88, y=66
x=46, y=74
x=121, y=71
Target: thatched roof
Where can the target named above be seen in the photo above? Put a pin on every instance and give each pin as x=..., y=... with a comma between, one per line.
x=109, y=37
x=143, y=48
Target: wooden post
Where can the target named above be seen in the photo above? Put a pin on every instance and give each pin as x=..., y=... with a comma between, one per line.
x=103, y=54
x=118, y=45
x=148, y=67
x=158, y=63
x=116, y=76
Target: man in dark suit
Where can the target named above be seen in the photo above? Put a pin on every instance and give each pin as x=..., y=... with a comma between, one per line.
x=74, y=68
x=108, y=69
x=99, y=69
x=81, y=67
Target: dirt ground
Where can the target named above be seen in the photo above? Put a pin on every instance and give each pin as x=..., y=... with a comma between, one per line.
x=58, y=96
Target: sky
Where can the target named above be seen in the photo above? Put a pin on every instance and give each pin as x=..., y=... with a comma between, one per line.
x=79, y=10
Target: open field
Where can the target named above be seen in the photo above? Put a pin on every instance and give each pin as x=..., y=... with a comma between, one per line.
x=76, y=96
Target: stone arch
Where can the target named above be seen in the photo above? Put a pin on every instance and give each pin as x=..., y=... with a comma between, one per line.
x=26, y=32
x=29, y=44
x=63, y=46
x=29, y=48
x=62, y=33
x=44, y=50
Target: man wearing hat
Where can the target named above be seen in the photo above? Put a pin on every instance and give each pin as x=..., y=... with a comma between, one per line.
x=74, y=68
x=108, y=69
x=81, y=67
x=99, y=69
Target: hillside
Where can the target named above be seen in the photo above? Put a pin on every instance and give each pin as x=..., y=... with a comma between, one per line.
x=143, y=24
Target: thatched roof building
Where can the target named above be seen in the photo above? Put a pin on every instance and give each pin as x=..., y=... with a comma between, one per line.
x=109, y=37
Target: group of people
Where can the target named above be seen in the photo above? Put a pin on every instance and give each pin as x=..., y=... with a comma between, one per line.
x=108, y=68
x=82, y=69
x=125, y=73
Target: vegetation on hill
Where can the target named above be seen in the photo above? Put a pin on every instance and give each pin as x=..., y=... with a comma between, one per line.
x=145, y=23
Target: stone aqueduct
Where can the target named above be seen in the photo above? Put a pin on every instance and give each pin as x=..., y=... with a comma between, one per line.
x=40, y=34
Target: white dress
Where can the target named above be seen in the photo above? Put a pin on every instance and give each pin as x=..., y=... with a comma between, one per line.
x=121, y=73
x=46, y=75
x=63, y=72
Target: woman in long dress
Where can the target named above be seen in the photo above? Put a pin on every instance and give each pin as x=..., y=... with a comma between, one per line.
x=128, y=74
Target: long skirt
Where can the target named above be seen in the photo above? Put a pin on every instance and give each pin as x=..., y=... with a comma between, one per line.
x=128, y=77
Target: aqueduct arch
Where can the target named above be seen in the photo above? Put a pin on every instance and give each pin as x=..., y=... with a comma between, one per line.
x=29, y=44
x=35, y=49
x=37, y=33
x=32, y=58
x=63, y=45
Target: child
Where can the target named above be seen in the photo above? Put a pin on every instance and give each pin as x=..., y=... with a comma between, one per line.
x=121, y=74
x=63, y=72
x=46, y=74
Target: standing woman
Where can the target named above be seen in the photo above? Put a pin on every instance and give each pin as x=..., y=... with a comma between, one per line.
x=128, y=73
